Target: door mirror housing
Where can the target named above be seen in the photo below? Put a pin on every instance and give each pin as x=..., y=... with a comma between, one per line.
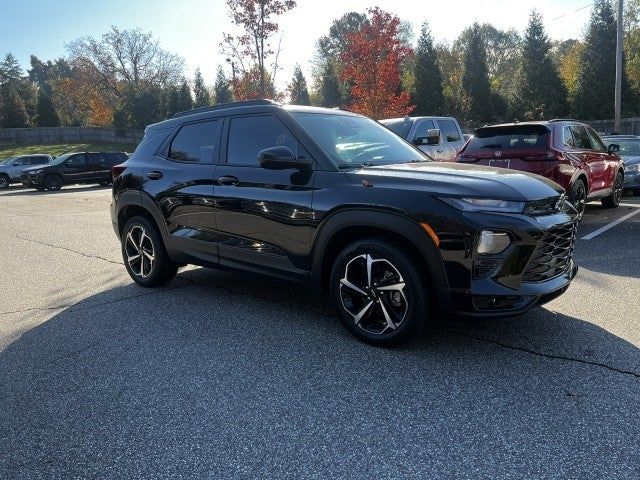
x=278, y=158
x=613, y=148
x=432, y=138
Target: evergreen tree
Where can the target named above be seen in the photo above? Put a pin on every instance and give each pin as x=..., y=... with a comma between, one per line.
x=298, y=88
x=12, y=110
x=170, y=101
x=200, y=92
x=475, y=79
x=329, y=89
x=426, y=93
x=10, y=69
x=46, y=115
x=222, y=88
x=185, y=100
x=597, y=69
x=541, y=92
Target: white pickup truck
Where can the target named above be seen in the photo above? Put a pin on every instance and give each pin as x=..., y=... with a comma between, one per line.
x=440, y=137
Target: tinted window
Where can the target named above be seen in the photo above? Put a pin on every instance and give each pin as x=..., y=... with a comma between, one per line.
x=20, y=161
x=94, y=158
x=567, y=137
x=76, y=160
x=195, y=142
x=580, y=137
x=422, y=128
x=39, y=160
x=250, y=135
x=113, y=158
x=399, y=127
x=595, y=141
x=449, y=131
x=515, y=137
x=351, y=141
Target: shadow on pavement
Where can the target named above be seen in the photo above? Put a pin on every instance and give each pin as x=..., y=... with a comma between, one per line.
x=221, y=377
x=21, y=191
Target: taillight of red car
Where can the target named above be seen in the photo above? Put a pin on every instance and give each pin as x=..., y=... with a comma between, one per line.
x=117, y=170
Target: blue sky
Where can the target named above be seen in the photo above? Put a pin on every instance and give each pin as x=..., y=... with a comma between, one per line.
x=193, y=28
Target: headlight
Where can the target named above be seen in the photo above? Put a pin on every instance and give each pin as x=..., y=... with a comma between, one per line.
x=632, y=168
x=484, y=205
x=34, y=172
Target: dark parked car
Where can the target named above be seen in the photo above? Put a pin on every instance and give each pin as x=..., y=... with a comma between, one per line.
x=11, y=168
x=334, y=200
x=70, y=168
x=629, y=150
x=565, y=151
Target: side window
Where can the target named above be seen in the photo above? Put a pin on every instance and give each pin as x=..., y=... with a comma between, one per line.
x=94, y=158
x=580, y=137
x=595, y=141
x=76, y=159
x=449, y=131
x=567, y=137
x=39, y=160
x=113, y=158
x=195, y=143
x=422, y=128
x=250, y=135
x=20, y=161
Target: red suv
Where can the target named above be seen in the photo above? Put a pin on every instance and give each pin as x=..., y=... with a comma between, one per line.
x=565, y=151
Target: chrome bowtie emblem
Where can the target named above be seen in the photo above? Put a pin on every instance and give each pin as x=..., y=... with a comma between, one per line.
x=498, y=154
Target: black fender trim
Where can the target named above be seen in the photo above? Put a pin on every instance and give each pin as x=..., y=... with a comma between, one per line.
x=398, y=224
x=138, y=199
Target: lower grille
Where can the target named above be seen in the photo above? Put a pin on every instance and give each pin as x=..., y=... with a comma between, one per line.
x=552, y=255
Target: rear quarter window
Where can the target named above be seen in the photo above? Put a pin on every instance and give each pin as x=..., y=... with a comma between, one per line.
x=518, y=137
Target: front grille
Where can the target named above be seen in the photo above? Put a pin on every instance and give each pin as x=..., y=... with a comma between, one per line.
x=552, y=256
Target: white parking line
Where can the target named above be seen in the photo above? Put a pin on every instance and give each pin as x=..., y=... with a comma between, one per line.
x=611, y=225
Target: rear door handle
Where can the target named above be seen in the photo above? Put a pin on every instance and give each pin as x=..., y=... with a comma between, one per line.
x=154, y=175
x=228, y=180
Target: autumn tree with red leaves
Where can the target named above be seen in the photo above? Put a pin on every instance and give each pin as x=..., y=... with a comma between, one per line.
x=372, y=61
x=249, y=51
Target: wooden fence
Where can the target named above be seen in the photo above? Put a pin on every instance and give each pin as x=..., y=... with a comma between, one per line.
x=48, y=135
x=628, y=126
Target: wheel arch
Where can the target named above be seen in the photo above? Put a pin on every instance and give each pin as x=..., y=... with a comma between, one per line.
x=133, y=203
x=346, y=226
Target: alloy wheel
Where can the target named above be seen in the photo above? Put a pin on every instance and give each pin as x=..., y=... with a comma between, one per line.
x=140, y=251
x=372, y=293
x=580, y=199
x=4, y=182
x=618, y=189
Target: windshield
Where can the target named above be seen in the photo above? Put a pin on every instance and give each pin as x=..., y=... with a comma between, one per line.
x=61, y=159
x=628, y=147
x=516, y=137
x=354, y=141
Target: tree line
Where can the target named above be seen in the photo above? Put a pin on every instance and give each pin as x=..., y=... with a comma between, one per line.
x=367, y=62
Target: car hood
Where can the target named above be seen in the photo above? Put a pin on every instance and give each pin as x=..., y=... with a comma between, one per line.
x=631, y=159
x=461, y=180
x=38, y=167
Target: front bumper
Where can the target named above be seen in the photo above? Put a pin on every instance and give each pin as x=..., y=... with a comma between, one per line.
x=536, y=268
x=632, y=179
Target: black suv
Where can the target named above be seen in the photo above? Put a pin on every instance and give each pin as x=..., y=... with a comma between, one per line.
x=70, y=168
x=334, y=200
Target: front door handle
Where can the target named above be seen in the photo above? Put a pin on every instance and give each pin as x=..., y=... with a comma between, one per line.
x=154, y=175
x=228, y=180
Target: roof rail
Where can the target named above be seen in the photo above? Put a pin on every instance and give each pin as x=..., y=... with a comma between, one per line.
x=563, y=120
x=220, y=106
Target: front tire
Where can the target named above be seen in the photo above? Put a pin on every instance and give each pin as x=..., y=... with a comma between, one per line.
x=613, y=200
x=379, y=293
x=53, y=182
x=578, y=197
x=144, y=254
x=4, y=182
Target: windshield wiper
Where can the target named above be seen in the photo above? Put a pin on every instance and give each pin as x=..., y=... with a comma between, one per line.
x=493, y=145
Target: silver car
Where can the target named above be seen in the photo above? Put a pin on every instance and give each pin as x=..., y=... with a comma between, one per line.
x=11, y=168
x=630, y=153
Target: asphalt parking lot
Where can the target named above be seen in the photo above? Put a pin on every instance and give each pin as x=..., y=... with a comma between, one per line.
x=222, y=375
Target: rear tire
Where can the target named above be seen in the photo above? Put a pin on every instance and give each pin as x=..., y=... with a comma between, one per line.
x=578, y=196
x=379, y=293
x=52, y=182
x=4, y=182
x=613, y=200
x=145, y=255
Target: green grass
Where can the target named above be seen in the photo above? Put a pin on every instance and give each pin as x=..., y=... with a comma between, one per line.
x=54, y=150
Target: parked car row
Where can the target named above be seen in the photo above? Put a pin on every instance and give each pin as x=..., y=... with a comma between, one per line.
x=43, y=172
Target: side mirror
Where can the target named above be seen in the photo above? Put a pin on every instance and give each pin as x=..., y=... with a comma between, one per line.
x=613, y=148
x=17, y=162
x=277, y=158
